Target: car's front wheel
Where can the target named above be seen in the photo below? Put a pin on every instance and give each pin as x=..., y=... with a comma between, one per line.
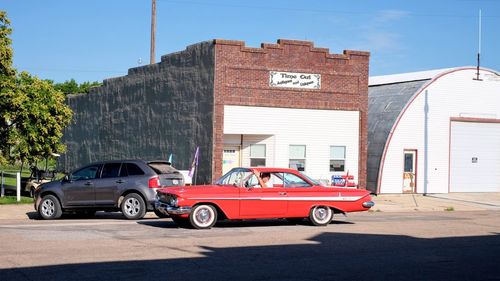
x=203, y=216
x=133, y=207
x=49, y=208
x=321, y=215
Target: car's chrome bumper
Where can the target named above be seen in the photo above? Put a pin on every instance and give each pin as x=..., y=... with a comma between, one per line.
x=170, y=210
x=368, y=204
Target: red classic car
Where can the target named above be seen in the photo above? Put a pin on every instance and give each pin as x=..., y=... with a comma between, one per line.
x=258, y=193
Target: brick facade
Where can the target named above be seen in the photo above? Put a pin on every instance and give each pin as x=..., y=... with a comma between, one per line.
x=242, y=78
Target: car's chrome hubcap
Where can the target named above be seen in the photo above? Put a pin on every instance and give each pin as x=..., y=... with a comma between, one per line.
x=321, y=213
x=203, y=216
x=48, y=208
x=132, y=206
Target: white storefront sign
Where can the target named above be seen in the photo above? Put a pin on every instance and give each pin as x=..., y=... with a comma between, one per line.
x=294, y=80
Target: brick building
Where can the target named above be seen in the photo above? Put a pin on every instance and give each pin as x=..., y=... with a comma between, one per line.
x=287, y=104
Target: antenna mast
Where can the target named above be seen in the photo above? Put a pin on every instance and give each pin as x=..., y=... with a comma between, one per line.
x=479, y=48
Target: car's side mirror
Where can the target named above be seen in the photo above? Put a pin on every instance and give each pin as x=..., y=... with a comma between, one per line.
x=66, y=178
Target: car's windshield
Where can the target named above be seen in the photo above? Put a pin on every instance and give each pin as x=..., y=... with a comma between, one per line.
x=235, y=177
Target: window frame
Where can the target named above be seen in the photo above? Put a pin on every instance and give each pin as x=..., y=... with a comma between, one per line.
x=258, y=158
x=304, y=158
x=337, y=159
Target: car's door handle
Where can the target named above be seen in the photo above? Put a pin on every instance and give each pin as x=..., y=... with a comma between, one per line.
x=282, y=193
x=120, y=181
x=88, y=183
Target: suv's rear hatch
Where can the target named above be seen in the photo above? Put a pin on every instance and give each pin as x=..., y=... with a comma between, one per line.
x=169, y=176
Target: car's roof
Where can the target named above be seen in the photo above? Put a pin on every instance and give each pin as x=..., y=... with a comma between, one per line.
x=129, y=160
x=271, y=169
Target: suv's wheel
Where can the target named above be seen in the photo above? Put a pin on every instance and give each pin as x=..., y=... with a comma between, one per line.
x=49, y=208
x=321, y=215
x=133, y=207
x=203, y=216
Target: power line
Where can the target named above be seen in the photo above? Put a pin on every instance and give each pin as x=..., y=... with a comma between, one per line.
x=322, y=11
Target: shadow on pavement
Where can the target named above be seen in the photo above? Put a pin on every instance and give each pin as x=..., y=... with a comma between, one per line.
x=98, y=216
x=236, y=223
x=160, y=223
x=328, y=256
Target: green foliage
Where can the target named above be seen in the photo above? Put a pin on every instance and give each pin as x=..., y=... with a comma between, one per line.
x=41, y=120
x=72, y=87
x=7, y=86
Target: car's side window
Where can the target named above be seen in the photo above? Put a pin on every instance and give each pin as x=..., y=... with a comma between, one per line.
x=86, y=173
x=292, y=180
x=252, y=181
x=111, y=170
x=134, y=170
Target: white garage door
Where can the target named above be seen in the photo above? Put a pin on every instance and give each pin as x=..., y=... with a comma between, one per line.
x=475, y=157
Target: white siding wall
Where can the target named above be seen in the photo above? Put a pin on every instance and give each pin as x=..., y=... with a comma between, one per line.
x=453, y=95
x=280, y=127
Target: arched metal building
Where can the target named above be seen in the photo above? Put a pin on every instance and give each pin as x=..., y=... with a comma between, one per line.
x=434, y=132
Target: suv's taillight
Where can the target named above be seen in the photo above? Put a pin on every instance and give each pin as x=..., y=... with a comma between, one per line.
x=154, y=182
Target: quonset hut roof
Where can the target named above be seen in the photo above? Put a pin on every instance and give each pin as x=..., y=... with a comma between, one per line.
x=387, y=97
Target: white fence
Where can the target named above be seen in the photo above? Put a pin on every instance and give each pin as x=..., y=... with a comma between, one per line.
x=16, y=187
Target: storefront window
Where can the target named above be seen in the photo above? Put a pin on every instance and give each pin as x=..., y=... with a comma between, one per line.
x=337, y=158
x=297, y=156
x=257, y=155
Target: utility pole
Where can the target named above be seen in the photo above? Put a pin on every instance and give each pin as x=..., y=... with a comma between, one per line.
x=153, y=31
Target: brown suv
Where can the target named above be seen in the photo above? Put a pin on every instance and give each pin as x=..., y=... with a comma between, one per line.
x=126, y=185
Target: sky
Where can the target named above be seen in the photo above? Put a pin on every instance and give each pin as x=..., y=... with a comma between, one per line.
x=92, y=40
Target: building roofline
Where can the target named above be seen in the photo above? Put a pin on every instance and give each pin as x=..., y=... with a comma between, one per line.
x=406, y=77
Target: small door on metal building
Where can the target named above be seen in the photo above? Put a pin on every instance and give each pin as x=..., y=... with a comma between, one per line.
x=230, y=158
x=410, y=171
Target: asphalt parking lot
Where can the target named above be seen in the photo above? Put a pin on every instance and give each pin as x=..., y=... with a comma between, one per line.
x=380, y=245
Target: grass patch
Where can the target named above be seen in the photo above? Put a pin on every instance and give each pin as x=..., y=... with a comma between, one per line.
x=449, y=209
x=13, y=200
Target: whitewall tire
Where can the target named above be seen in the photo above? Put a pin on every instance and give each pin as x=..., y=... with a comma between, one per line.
x=203, y=216
x=321, y=215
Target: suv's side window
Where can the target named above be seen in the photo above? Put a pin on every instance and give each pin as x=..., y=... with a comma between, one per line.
x=86, y=173
x=111, y=170
x=133, y=169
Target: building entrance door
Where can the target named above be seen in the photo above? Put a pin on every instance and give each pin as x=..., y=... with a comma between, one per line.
x=410, y=171
x=230, y=158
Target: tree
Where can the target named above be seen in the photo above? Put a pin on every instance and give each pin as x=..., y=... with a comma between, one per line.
x=40, y=123
x=72, y=87
x=68, y=87
x=7, y=86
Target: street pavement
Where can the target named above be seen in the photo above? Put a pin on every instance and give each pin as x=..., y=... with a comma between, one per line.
x=383, y=203
x=432, y=237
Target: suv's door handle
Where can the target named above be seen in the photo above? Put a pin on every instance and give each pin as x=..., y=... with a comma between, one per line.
x=88, y=183
x=120, y=181
x=282, y=193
